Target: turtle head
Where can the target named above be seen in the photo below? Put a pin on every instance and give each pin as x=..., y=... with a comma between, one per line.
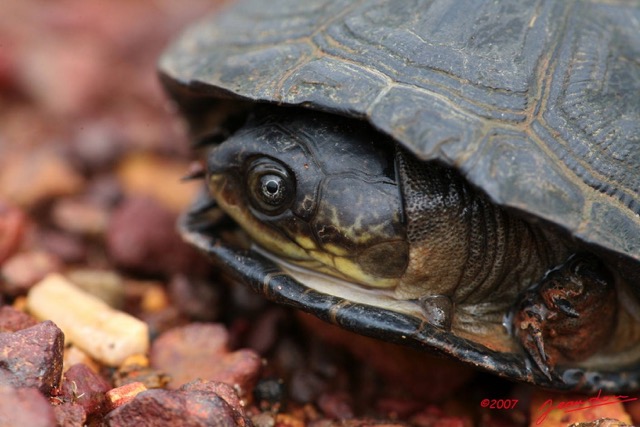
x=315, y=190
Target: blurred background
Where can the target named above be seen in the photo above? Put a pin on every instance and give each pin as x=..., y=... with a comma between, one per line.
x=78, y=78
x=83, y=120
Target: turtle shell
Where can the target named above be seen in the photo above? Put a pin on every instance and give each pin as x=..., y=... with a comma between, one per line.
x=537, y=103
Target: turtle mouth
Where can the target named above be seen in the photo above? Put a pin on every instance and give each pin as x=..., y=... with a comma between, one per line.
x=206, y=221
x=312, y=273
x=346, y=290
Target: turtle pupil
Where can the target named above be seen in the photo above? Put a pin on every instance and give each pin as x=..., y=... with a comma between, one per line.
x=273, y=190
x=272, y=187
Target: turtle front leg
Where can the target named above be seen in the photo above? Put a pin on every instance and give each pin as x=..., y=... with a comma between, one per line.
x=569, y=315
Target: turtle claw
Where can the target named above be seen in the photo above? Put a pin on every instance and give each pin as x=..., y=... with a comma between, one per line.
x=569, y=316
x=530, y=335
x=565, y=307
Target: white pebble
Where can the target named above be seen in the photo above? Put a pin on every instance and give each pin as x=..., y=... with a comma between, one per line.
x=108, y=335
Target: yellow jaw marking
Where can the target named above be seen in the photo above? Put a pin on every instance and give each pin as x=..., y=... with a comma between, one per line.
x=302, y=251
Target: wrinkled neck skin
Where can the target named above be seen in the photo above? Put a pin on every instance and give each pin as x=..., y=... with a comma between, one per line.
x=466, y=248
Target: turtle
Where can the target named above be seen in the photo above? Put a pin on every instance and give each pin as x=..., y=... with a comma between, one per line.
x=461, y=177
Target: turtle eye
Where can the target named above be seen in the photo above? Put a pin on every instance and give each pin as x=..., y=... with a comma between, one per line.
x=270, y=186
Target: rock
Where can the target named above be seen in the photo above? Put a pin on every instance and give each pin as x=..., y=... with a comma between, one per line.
x=142, y=237
x=24, y=407
x=199, y=350
x=224, y=390
x=168, y=408
x=32, y=357
x=12, y=320
x=84, y=387
x=108, y=335
x=70, y=415
x=122, y=395
x=20, y=272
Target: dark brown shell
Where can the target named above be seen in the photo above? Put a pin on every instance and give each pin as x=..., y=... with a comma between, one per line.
x=537, y=103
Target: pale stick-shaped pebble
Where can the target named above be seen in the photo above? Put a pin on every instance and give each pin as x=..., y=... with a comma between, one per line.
x=108, y=335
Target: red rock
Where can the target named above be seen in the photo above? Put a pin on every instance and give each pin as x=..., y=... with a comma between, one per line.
x=199, y=350
x=23, y=270
x=122, y=395
x=142, y=237
x=12, y=226
x=225, y=391
x=32, y=357
x=168, y=408
x=84, y=387
x=70, y=415
x=12, y=320
x=24, y=407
